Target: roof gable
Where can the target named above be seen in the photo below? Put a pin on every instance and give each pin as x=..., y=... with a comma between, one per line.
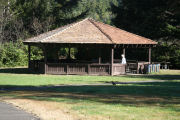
x=89, y=31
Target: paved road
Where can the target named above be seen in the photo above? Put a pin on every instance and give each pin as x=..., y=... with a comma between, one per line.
x=9, y=112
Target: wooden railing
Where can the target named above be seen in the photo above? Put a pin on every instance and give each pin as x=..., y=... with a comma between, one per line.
x=37, y=65
x=77, y=68
x=99, y=69
x=119, y=69
x=72, y=68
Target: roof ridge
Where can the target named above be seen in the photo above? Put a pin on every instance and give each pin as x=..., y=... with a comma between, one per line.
x=123, y=30
x=73, y=24
x=92, y=21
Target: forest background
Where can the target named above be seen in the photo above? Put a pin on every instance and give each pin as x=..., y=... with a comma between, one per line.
x=158, y=20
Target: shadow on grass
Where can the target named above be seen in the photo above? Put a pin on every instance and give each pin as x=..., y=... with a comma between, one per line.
x=17, y=71
x=146, y=94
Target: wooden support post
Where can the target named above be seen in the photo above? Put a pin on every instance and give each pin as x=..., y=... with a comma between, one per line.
x=124, y=52
x=112, y=60
x=99, y=59
x=29, y=55
x=150, y=55
x=88, y=69
x=45, y=60
x=69, y=55
x=67, y=69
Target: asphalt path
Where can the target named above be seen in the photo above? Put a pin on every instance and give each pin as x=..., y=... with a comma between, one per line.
x=10, y=112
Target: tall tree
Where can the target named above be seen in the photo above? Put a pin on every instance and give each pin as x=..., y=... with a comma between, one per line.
x=155, y=19
x=152, y=18
x=97, y=9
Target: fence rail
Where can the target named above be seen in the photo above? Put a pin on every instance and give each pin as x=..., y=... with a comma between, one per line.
x=72, y=68
x=92, y=68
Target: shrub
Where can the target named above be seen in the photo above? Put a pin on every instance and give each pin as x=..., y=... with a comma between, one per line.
x=13, y=54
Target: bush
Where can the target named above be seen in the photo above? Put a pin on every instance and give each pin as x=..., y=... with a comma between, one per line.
x=13, y=54
x=36, y=53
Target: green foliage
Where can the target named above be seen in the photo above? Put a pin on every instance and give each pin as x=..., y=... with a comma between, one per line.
x=155, y=19
x=167, y=53
x=16, y=54
x=36, y=53
x=37, y=15
x=13, y=54
x=97, y=9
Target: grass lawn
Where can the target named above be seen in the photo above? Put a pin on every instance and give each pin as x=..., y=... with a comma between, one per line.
x=82, y=98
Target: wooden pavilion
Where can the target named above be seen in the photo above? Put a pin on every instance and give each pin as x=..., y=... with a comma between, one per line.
x=85, y=34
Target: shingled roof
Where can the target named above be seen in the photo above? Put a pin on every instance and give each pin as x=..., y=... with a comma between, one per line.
x=89, y=31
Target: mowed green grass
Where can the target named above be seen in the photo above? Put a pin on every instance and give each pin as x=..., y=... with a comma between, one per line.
x=21, y=76
x=145, y=101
